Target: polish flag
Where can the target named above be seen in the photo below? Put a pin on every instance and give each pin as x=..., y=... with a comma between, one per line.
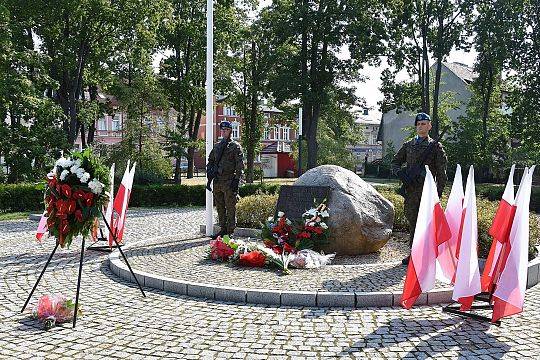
x=447, y=261
x=42, y=227
x=509, y=292
x=431, y=231
x=499, y=230
x=121, y=204
x=467, y=279
x=109, y=209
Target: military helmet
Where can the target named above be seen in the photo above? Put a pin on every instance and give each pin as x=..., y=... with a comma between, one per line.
x=225, y=125
x=421, y=117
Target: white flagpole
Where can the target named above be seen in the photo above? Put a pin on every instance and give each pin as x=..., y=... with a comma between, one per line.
x=209, y=106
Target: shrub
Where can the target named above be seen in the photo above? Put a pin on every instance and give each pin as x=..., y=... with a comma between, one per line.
x=21, y=197
x=400, y=221
x=252, y=211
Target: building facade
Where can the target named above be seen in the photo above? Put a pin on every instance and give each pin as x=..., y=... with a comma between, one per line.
x=370, y=149
x=397, y=125
x=275, y=158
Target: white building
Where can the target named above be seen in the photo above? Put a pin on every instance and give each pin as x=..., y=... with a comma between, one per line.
x=397, y=125
x=369, y=149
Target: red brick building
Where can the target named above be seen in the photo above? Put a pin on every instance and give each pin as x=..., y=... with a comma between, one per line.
x=276, y=155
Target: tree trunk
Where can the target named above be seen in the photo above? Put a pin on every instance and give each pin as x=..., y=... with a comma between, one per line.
x=177, y=171
x=92, y=128
x=435, y=115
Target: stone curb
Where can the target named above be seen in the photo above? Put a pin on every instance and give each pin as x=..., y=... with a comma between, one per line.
x=240, y=232
x=286, y=298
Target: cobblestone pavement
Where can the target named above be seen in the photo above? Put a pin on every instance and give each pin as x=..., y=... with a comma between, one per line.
x=187, y=260
x=120, y=323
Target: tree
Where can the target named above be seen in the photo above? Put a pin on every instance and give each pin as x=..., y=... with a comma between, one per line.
x=184, y=71
x=422, y=29
x=308, y=36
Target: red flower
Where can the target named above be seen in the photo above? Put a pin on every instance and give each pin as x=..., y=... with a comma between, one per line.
x=66, y=190
x=288, y=248
x=61, y=207
x=314, y=229
x=78, y=195
x=64, y=227
x=303, y=235
x=71, y=206
x=219, y=250
x=52, y=181
x=89, y=199
x=78, y=215
x=252, y=259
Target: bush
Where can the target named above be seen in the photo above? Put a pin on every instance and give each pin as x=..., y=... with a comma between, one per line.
x=486, y=213
x=252, y=211
x=400, y=221
x=21, y=197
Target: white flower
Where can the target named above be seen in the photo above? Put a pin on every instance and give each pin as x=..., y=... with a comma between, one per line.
x=76, y=166
x=85, y=177
x=289, y=222
x=63, y=175
x=280, y=214
x=80, y=172
x=63, y=162
x=270, y=219
x=323, y=225
x=310, y=213
x=325, y=214
x=95, y=186
x=311, y=224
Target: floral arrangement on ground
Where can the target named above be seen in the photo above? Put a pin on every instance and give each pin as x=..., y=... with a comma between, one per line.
x=54, y=309
x=74, y=195
x=284, y=243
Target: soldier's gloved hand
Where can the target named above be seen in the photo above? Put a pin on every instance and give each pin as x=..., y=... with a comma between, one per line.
x=235, y=184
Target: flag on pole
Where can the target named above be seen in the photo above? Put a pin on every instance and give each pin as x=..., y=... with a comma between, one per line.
x=121, y=204
x=109, y=209
x=42, y=227
x=509, y=292
x=499, y=231
x=467, y=279
x=431, y=231
x=447, y=259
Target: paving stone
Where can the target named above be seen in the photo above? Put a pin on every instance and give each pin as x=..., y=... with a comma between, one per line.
x=118, y=323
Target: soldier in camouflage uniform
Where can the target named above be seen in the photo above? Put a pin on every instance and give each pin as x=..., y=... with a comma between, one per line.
x=228, y=159
x=411, y=153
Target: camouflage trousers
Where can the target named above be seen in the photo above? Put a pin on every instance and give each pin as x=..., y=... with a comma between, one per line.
x=411, y=206
x=225, y=202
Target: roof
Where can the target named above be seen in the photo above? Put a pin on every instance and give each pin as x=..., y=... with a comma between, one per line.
x=462, y=71
x=272, y=109
x=270, y=148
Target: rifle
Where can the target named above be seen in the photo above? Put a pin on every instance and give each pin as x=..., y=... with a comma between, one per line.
x=411, y=176
x=211, y=171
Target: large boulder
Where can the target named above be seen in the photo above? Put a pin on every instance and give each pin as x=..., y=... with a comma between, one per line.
x=361, y=219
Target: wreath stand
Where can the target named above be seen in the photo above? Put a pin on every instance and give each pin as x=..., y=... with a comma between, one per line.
x=485, y=297
x=80, y=271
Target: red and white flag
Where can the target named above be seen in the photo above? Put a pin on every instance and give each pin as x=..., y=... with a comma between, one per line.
x=431, y=231
x=109, y=209
x=121, y=204
x=499, y=231
x=447, y=259
x=42, y=227
x=467, y=279
x=510, y=288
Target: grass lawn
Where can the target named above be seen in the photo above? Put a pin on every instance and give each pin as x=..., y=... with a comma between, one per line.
x=13, y=216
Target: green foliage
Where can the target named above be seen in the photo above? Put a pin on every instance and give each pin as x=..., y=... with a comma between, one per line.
x=21, y=197
x=252, y=211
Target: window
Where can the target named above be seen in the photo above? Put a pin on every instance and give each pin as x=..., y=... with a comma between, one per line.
x=102, y=124
x=286, y=133
x=235, y=130
x=116, y=123
x=228, y=111
x=266, y=135
x=366, y=111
